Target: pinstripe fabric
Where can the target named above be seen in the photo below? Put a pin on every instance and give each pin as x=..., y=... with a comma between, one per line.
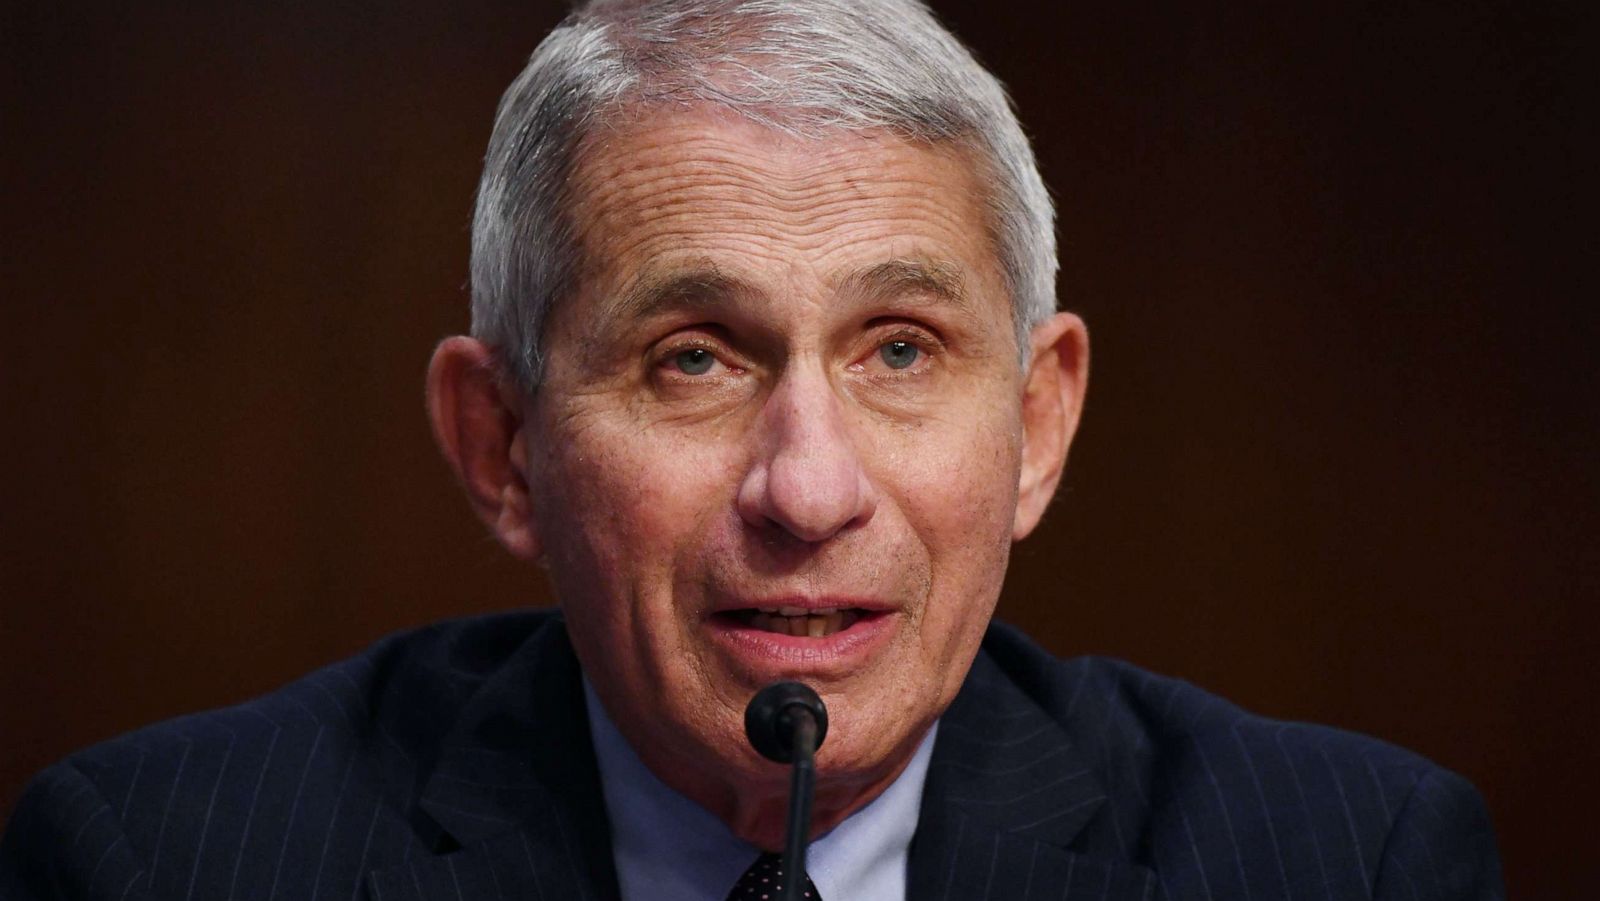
x=454, y=763
x=1094, y=780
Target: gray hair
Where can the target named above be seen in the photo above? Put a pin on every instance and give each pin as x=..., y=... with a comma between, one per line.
x=803, y=67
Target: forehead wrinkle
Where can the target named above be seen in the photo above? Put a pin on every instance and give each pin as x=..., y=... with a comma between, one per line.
x=688, y=158
x=683, y=194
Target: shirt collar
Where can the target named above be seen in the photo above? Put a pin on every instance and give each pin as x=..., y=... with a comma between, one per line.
x=668, y=847
x=866, y=855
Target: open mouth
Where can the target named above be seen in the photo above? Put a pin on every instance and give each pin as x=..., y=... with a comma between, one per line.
x=796, y=621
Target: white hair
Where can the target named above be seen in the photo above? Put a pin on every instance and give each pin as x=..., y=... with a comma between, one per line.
x=803, y=67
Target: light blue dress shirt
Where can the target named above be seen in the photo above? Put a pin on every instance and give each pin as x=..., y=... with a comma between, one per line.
x=668, y=848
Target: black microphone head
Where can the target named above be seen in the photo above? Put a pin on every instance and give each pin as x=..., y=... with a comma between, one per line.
x=769, y=724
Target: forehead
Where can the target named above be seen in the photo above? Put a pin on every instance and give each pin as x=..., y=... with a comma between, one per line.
x=711, y=192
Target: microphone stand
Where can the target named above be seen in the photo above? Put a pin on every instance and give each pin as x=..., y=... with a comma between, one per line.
x=802, y=781
x=786, y=723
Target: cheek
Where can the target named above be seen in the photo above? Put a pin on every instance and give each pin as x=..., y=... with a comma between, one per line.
x=958, y=475
x=959, y=496
x=626, y=501
x=626, y=509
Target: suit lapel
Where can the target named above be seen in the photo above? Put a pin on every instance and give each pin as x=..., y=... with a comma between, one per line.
x=1008, y=792
x=514, y=799
x=515, y=792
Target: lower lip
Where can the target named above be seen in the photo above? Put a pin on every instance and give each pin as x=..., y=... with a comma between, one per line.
x=769, y=655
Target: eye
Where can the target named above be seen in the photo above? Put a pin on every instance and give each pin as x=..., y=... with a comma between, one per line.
x=693, y=361
x=899, y=354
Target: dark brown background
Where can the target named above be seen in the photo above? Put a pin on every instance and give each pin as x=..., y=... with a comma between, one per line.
x=1338, y=462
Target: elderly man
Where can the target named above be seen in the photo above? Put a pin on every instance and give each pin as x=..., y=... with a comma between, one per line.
x=766, y=372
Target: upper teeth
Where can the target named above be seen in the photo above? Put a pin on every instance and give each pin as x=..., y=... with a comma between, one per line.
x=799, y=622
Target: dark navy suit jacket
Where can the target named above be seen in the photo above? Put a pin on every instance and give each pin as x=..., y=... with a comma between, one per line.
x=454, y=763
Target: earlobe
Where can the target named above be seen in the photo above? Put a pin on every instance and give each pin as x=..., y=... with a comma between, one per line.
x=477, y=421
x=1052, y=399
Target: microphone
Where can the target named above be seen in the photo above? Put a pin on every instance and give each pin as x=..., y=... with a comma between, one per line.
x=786, y=723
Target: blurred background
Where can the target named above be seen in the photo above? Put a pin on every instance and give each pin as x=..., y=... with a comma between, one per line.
x=1338, y=462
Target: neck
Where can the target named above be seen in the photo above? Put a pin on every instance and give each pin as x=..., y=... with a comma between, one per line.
x=753, y=801
x=760, y=816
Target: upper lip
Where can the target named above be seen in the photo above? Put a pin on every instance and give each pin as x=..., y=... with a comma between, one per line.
x=800, y=602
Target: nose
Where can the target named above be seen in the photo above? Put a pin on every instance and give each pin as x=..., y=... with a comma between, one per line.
x=807, y=478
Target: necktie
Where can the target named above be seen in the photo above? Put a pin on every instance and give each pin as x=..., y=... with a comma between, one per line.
x=761, y=882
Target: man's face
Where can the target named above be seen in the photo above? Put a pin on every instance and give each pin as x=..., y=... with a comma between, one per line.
x=786, y=381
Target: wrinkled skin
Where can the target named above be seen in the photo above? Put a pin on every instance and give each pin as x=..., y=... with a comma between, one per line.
x=787, y=371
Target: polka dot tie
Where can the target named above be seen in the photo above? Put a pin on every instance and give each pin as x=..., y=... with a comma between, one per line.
x=764, y=880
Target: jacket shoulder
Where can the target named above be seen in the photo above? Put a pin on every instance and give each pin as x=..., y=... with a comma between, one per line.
x=333, y=752
x=1170, y=724
x=1218, y=798
x=399, y=691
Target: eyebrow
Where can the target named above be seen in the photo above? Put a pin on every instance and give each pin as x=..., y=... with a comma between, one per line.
x=702, y=285
x=699, y=285
x=936, y=278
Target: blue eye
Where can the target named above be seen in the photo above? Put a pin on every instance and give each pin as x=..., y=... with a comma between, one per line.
x=694, y=361
x=899, y=354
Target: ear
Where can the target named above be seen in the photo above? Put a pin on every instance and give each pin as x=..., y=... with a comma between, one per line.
x=477, y=420
x=1052, y=399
